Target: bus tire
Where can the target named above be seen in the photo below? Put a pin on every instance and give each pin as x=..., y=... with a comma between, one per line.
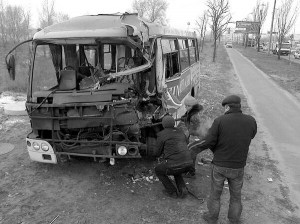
x=152, y=150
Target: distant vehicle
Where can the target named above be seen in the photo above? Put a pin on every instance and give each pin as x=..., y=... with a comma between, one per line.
x=261, y=47
x=295, y=49
x=297, y=54
x=228, y=45
x=285, y=49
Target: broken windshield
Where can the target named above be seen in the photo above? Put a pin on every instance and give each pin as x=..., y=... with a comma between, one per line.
x=85, y=67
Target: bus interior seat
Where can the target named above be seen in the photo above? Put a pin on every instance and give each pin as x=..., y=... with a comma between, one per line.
x=84, y=70
x=67, y=80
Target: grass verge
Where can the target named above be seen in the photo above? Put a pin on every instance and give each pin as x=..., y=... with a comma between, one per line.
x=286, y=74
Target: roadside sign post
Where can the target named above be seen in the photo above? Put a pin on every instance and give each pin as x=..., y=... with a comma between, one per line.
x=247, y=27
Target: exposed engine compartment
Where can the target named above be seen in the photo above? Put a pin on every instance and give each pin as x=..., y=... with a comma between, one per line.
x=76, y=124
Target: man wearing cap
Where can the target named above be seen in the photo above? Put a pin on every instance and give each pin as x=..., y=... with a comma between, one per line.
x=228, y=138
x=172, y=145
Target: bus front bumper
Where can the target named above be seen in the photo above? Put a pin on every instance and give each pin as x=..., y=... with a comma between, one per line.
x=41, y=151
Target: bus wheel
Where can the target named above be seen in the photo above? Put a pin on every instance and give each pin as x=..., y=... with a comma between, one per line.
x=152, y=150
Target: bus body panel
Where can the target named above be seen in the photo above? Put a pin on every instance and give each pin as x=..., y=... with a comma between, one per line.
x=160, y=71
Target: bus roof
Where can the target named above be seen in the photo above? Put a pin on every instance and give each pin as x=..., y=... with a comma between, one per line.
x=107, y=26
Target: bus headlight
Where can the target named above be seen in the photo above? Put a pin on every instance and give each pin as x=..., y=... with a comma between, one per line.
x=122, y=150
x=35, y=145
x=44, y=147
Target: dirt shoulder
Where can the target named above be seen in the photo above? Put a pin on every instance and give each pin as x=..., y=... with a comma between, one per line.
x=84, y=191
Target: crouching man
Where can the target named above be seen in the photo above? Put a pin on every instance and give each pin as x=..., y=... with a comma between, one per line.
x=172, y=145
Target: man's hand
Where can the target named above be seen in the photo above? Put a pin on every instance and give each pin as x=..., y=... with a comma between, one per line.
x=161, y=159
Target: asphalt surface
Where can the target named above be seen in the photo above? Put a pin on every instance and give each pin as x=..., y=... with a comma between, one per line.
x=278, y=116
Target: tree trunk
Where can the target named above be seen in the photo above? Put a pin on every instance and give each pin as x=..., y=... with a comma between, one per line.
x=258, y=40
x=243, y=39
x=279, y=47
x=246, y=40
x=215, y=48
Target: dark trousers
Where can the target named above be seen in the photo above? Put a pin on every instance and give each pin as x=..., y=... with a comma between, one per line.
x=194, y=151
x=163, y=170
x=235, y=182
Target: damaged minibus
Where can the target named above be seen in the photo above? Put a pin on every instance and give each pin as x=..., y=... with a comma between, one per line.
x=99, y=86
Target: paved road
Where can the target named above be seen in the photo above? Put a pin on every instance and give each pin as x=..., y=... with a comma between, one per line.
x=278, y=114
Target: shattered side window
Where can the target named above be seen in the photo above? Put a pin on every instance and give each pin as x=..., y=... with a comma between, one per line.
x=44, y=70
x=172, y=65
x=184, y=54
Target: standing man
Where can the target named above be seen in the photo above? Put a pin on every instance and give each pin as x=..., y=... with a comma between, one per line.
x=228, y=138
x=172, y=145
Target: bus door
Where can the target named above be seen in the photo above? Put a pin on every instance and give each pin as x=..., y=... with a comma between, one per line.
x=170, y=81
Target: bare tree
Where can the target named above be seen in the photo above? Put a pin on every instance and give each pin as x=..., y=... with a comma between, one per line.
x=16, y=23
x=2, y=24
x=47, y=13
x=140, y=6
x=61, y=17
x=260, y=12
x=286, y=17
x=152, y=10
x=219, y=12
x=201, y=22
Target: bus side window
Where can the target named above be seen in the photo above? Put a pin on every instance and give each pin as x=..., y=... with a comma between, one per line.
x=172, y=66
x=175, y=63
x=184, y=54
x=192, y=51
x=170, y=53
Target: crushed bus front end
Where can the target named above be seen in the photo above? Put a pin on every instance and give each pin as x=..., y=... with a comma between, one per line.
x=100, y=85
x=95, y=129
x=92, y=90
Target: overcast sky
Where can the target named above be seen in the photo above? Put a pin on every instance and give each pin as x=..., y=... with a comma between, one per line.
x=179, y=13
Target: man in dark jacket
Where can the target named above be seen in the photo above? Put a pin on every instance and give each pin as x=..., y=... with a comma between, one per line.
x=228, y=138
x=172, y=145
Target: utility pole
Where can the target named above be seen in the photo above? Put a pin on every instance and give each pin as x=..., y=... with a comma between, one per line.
x=271, y=31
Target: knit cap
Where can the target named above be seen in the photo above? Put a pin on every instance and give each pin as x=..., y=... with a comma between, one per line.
x=168, y=122
x=190, y=101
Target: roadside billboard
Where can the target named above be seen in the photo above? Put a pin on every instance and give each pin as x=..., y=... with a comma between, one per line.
x=250, y=26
